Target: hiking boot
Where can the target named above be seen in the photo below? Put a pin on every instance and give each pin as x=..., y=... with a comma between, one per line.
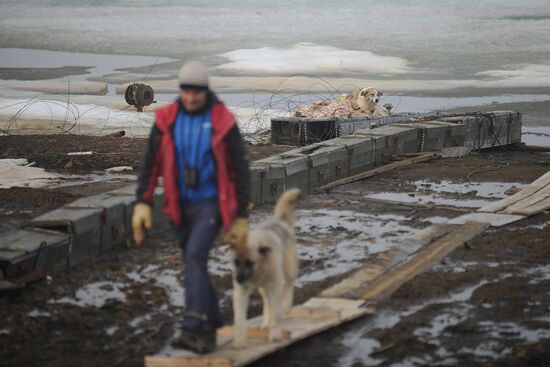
x=198, y=341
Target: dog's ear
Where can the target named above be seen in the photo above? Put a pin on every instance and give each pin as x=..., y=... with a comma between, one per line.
x=263, y=250
x=380, y=93
x=364, y=92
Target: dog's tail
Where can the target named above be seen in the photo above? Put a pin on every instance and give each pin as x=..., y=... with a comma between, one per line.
x=284, y=209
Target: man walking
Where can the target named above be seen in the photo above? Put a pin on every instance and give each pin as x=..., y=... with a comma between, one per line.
x=196, y=146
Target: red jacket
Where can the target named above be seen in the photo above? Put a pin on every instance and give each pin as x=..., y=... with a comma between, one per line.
x=161, y=161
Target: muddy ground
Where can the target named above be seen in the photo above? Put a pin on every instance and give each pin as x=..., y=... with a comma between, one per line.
x=486, y=305
x=50, y=152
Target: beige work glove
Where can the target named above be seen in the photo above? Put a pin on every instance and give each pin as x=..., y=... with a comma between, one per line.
x=237, y=233
x=142, y=218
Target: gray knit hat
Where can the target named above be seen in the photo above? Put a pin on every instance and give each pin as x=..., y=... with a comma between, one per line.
x=193, y=74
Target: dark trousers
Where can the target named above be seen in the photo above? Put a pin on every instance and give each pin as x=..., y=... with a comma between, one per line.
x=202, y=222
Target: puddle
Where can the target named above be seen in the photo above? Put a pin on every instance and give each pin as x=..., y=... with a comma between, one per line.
x=487, y=350
x=388, y=319
x=513, y=330
x=482, y=189
x=538, y=226
x=95, y=294
x=134, y=323
x=536, y=135
x=448, y=193
x=168, y=279
x=21, y=173
x=438, y=324
x=219, y=263
x=435, y=219
x=445, y=359
x=461, y=266
x=541, y=273
x=413, y=197
x=141, y=276
x=38, y=313
x=362, y=348
x=111, y=330
x=338, y=241
x=100, y=64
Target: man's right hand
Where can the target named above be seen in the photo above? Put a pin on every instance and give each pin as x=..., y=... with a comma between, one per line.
x=142, y=218
x=237, y=233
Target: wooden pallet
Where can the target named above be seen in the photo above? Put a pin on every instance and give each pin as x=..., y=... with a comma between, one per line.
x=312, y=317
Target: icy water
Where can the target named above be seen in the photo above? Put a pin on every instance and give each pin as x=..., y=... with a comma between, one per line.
x=423, y=43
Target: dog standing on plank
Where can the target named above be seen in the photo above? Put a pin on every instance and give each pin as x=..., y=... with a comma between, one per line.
x=269, y=263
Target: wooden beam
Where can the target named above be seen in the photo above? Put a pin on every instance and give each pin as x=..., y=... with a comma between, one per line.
x=198, y=361
x=314, y=313
x=251, y=333
x=535, y=208
x=521, y=206
x=366, y=274
x=431, y=233
x=535, y=186
x=385, y=168
x=385, y=285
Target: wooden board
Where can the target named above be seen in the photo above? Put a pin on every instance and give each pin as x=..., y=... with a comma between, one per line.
x=251, y=333
x=421, y=261
x=537, y=197
x=494, y=219
x=298, y=328
x=497, y=206
x=535, y=208
x=533, y=188
x=385, y=168
x=371, y=271
x=430, y=234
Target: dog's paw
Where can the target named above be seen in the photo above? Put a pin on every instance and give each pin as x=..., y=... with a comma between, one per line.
x=239, y=343
x=275, y=335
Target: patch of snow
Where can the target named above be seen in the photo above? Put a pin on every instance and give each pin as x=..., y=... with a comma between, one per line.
x=39, y=313
x=20, y=173
x=343, y=239
x=111, y=330
x=311, y=58
x=95, y=294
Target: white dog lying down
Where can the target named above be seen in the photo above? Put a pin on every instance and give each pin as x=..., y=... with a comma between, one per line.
x=269, y=263
x=361, y=103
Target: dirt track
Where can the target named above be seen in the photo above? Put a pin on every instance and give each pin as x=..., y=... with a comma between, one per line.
x=485, y=305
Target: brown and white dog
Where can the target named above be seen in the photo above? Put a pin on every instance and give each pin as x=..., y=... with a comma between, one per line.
x=269, y=263
x=361, y=103
x=363, y=100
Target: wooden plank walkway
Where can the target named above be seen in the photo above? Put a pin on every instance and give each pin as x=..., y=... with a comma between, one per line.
x=348, y=299
x=312, y=317
x=531, y=200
